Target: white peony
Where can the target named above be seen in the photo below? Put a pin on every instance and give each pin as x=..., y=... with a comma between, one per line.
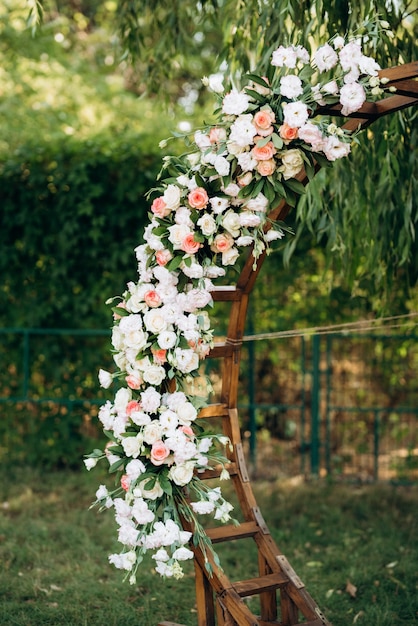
x=295, y=114
x=325, y=58
x=235, y=103
x=291, y=86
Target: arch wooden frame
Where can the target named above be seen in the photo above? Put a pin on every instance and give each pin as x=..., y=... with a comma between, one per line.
x=284, y=601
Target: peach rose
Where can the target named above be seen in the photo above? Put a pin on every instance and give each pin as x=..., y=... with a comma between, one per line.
x=222, y=243
x=159, y=207
x=217, y=134
x=288, y=133
x=198, y=198
x=263, y=121
x=189, y=244
x=266, y=168
x=245, y=179
x=264, y=153
x=159, y=452
x=120, y=305
x=160, y=356
x=163, y=257
x=152, y=299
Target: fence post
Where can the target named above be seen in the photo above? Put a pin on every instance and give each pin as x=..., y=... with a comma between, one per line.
x=315, y=420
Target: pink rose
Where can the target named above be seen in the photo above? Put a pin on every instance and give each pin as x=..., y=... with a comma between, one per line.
x=159, y=207
x=266, y=168
x=222, y=243
x=287, y=133
x=198, y=198
x=134, y=381
x=132, y=407
x=163, y=257
x=245, y=179
x=152, y=299
x=187, y=431
x=159, y=452
x=264, y=153
x=189, y=244
x=125, y=481
x=263, y=121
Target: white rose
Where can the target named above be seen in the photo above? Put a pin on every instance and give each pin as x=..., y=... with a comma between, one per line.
x=215, y=82
x=135, y=468
x=182, y=216
x=172, y=196
x=230, y=256
x=154, y=375
x=105, y=378
x=150, y=494
x=155, y=321
x=186, y=413
x=222, y=166
x=152, y=432
x=202, y=140
x=292, y=163
x=186, y=360
x=132, y=445
x=231, y=223
x=181, y=474
x=122, y=397
x=207, y=224
x=177, y=233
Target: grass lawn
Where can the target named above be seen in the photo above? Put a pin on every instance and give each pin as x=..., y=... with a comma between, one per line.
x=356, y=549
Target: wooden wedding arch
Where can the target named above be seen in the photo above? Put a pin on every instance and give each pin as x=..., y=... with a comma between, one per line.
x=284, y=601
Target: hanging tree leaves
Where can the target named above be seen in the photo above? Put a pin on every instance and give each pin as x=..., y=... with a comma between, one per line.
x=363, y=210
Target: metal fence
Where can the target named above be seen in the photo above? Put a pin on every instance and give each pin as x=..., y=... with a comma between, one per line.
x=341, y=405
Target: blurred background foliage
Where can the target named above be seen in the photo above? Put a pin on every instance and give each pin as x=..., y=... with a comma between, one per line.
x=88, y=88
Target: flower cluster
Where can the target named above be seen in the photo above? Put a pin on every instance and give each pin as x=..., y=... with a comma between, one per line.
x=213, y=203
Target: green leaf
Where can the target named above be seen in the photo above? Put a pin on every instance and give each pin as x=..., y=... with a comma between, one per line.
x=295, y=185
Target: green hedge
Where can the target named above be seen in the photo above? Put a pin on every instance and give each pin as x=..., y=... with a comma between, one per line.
x=71, y=214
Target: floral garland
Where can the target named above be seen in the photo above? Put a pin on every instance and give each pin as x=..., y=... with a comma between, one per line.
x=212, y=204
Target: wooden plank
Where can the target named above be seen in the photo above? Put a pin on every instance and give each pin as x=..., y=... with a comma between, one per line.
x=226, y=293
x=214, y=410
x=231, y=532
x=399, y=72
x=204, y=598
x=216, y=472
x=254, y=586
x=268, y=599
x=221, y=350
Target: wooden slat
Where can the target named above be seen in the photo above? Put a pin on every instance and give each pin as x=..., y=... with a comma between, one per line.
x=214, y=410
x=226, y=293
x=216, y=472
x=399, y=72
x=231, y=532
x=254, y=586
x=221, y=350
